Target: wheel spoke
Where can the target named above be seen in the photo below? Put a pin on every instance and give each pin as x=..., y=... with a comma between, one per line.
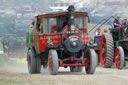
x=117, y=58
x=104, y=59
x=104, y=44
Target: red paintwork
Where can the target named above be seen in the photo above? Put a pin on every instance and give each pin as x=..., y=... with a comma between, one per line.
x=65, y=29
x=55, y=38
x=103, y=45
x=83, y=62
x=36, y=37
x=118, y=28
x=50, y=62
x=54, y=29
x=88, y=61
x=85, y=38
x=62, y=14
x=41, y=41
x=117, y=58
x=76, y=64
x=83, y=30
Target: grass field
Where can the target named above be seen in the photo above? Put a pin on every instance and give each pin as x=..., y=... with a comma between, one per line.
x=3, y=59
x=1, y=47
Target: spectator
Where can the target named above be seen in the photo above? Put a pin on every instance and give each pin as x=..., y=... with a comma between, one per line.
x=98, y=32
x=98, y=37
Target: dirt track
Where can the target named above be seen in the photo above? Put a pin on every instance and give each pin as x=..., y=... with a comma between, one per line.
x=19, y=76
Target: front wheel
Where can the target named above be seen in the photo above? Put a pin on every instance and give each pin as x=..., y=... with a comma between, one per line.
x=31, y=60
x=34, y=62
x=53, y=62
x=38, y=64
x=119, y=58
x=91, y=61
x=106, y=50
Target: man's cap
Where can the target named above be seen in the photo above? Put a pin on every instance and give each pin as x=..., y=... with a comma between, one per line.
x=33, y=23
x=71, y=7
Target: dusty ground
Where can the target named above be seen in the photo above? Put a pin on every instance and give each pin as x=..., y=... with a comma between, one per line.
x=18, y=75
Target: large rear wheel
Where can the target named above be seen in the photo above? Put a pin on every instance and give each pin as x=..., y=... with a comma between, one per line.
x=53, y=62
x=31, y=60
x=34, y=62
x=119, y=58
x=38, y=64
x=91, y=61
x=106, y=50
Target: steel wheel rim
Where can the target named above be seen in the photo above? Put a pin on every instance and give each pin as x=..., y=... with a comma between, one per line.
x=103, y=50
x=117, y=58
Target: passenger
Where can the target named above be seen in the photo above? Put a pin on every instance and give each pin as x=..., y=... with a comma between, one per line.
x=116, y=23
x=32, y=25
x=65, y=23
x=122, y=29
x=125, y=27
x=124, y=24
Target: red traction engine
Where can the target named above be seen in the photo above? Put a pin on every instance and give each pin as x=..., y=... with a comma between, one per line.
x=53, y=46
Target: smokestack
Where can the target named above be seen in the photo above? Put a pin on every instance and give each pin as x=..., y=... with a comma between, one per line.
x=71, y=15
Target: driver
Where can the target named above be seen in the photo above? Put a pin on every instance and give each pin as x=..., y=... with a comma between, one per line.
x=65, y=23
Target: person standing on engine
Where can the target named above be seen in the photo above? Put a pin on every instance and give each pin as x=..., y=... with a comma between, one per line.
x=116, y=22
x=125, y=24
